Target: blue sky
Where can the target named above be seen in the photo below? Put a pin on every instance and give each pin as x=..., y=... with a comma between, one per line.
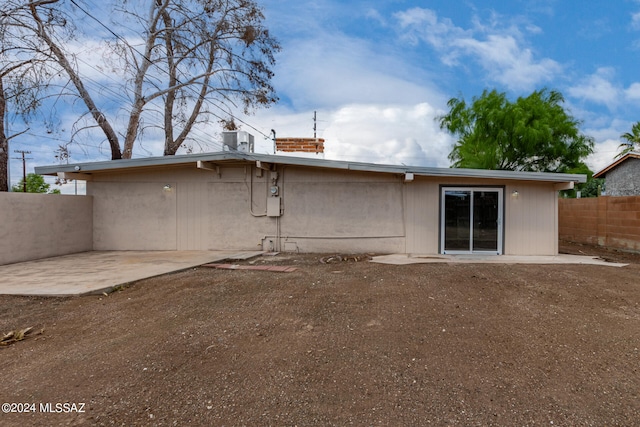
x=379, y=72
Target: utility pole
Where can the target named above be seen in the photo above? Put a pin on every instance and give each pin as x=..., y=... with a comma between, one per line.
x=24, y=167
x=275, y=144
x=315, y=119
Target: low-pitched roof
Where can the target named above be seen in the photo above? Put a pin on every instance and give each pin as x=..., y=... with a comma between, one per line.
x=630, y=155
x=230, y=156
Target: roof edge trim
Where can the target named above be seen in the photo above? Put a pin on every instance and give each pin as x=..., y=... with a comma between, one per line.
x=127, y=164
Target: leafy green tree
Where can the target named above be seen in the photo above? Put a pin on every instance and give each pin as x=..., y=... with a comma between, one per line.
x=592, y=188
x=633, y=140
x=534, y=133
x=35, y=184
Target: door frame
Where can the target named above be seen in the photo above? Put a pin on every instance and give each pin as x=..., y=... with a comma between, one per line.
x=472, y=189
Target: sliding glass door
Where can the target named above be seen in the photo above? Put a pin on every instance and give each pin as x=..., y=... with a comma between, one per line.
x=471, y=220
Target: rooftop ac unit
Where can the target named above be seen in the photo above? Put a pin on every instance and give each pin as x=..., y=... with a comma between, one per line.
x=238, y=140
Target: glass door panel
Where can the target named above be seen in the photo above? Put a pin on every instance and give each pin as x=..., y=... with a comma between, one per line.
x=457, y=220
x=485, y=221
x=471, y=220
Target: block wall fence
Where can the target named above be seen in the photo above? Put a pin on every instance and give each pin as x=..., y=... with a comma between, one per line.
x=34, y=226
x=612, y=222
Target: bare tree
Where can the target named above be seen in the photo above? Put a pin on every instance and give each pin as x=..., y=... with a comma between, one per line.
x=25, y=78
x=4, y=142
x=6, y=97
x=193, y=60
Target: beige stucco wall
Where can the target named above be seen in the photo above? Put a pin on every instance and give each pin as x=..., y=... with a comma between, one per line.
x=323, y=210
x=530, y=220
x=34, y=226
x=328, y=210
x=140, y=215
x=422, y=216
x=200, y=210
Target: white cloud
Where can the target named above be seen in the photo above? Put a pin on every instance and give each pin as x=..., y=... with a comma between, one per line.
x=633, y=92
x=604, y=154
x=508, y=63
x=607, y=137
x=376, y=16
x=337, y=70
x=424, y=24
x=598, y=88
x=533, y=29
x=371, y=105
x=499, y=51
x=373, y=133
x=396, y=134
x=635, y=21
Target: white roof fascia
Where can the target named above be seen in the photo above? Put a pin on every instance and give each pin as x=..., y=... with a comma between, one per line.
x=112, y=165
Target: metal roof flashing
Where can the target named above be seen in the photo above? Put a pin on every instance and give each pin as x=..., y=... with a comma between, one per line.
x=226, y=156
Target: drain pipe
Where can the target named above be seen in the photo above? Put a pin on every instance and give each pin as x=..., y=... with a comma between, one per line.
x=280, y=177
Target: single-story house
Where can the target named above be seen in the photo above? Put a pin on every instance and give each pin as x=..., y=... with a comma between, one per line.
x=622, y=176
x=248, y=201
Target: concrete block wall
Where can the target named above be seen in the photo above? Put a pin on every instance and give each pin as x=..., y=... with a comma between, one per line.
x=612, y=222
x=34, y=226
x=623, y=222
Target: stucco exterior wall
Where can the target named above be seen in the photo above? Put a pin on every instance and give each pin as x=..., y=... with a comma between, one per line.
x=321, y=210
x=35, y=226
x=530, y=219
x=325, y=210
x=179, y=209
x=138, y=215
x=422, y=216
x=624, y=179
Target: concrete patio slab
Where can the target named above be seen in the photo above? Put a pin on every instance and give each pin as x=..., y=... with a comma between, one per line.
x=100, y=271
x=401, y=259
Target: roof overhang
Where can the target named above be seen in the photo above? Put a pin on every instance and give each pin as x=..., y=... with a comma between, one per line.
x=82, y=171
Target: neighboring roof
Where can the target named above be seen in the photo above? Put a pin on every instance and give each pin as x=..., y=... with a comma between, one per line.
x=230, y=156
x=630, y=155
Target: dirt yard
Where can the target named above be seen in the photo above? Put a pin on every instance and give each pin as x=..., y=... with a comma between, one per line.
x=334, y=344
